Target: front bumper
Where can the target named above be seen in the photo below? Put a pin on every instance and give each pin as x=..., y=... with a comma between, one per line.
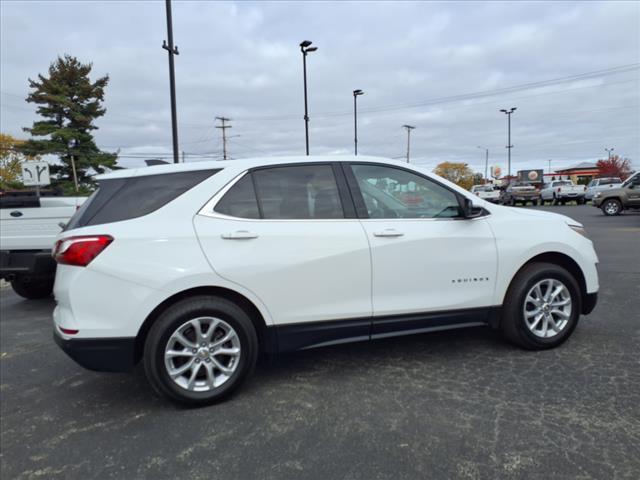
x=99, y=354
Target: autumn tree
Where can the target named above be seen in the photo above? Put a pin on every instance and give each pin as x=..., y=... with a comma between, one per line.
x=10, y=161
x=69, y=103
x=614, y=167
x=458, y=173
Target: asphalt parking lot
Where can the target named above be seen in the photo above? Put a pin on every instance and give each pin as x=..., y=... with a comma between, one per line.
x=459, y=404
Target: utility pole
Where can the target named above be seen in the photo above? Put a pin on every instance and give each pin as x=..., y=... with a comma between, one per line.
x=509, y=146
x=356, y=94
x=224, y=127
x=171, y=50
x=486, y=162
x=305, y=48
x=549, y=165
x=183, y=156
x=409, y=128
x=609, y=150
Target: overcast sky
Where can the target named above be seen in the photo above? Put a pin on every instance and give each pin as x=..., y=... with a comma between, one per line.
x=242, y=60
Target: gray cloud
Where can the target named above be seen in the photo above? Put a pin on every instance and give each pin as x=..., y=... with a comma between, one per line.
x=241, y=60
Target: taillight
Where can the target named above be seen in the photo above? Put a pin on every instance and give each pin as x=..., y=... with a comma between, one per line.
x=559, y=188
x=80, y=251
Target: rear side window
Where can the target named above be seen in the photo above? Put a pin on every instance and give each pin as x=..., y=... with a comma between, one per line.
x=125, y=198
x=298, y=192
x=240, y=201
x=291, y=192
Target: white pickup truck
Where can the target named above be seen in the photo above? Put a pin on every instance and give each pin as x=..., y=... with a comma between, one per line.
x=28, y=227
x=562, y=191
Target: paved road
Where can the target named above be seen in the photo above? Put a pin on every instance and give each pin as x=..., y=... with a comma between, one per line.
x=459, y=404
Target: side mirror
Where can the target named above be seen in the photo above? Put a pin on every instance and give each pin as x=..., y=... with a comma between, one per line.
x=468, y=210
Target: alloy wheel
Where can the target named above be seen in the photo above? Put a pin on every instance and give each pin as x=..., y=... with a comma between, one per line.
x=202, y=354
x=547, y=308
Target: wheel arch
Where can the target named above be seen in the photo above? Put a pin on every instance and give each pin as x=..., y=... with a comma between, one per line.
x=266, y=339
x=563, y=260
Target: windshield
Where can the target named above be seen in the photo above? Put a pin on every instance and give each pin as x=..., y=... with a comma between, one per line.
x=563, y=183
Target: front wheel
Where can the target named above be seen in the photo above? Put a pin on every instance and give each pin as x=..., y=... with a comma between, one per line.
x=542, y=307
x=34, y=289
x=611, y=207
x=200, y=350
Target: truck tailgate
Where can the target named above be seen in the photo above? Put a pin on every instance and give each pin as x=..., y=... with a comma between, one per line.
x=32, y=228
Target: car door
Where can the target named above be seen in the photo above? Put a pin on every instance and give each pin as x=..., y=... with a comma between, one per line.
x=289, y=235
x=632, y=192
x=430, y=266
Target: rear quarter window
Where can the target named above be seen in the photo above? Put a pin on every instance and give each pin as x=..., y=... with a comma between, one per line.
x=126, y=198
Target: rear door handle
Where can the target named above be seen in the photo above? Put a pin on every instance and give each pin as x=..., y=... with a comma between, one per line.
x=239, y=235
x=388, y=232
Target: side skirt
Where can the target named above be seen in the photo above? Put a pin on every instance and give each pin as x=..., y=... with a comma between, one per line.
x=298, y=336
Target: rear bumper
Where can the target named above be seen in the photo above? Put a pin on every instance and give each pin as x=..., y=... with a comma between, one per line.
x=589, y=303
x=99, y=354
x=32, y=263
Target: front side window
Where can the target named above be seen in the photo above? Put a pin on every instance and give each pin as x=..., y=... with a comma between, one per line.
x=396, y=193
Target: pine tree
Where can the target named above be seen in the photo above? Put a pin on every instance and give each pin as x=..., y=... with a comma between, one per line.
x=69, y=103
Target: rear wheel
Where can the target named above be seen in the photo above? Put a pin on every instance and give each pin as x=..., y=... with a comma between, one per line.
x=535, y=203
x=555, y=200
x=33, y=289
x=200, y=350
x=542, y=307
x=611, y=207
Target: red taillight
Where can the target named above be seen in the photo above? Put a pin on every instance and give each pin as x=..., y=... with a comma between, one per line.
x=80, y=251
x=559, y=188
x=68, y=331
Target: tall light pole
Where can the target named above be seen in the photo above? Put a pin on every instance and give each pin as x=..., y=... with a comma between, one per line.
x=609, y=150
x=171, y=50
x=409, y=128
x=509, y=146
x=486, y=162
x=356, y=94
x=305, y=47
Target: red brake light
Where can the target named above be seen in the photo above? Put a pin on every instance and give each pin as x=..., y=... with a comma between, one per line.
x=80, y=251
x=558, y=189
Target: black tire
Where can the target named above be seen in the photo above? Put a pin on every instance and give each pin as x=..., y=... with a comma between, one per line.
x=581, y=201
x=513, y=323
x=555, y=200
x=611, y=207
x=176, y=315
x=33, y=290
x=535, y=203
x=512, y=202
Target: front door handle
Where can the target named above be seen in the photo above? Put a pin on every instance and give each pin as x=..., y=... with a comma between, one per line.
x=388, y=232
x=239, y=235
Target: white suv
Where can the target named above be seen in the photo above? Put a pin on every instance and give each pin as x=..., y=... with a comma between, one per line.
x=196, y=268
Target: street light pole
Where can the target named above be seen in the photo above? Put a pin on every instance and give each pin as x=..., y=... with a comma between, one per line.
x=609, y=150
x=409, y=128
x=171, y=50
x=486, y=162
x=356, y=93
x=306, y=48
x=509, y=146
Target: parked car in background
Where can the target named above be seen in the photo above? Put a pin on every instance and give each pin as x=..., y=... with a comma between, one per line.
x=626, y=197
x=486, y=192
x=28, y=228
x=562, y=191
x=227, y=259
x=599, y=184
x=519, y=192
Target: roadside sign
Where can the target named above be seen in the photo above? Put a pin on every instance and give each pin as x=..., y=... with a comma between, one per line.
x=35, y=174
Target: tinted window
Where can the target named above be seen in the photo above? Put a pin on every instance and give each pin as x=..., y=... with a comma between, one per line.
x=395, y=193
x=301, y=191
x=240, y=200
x=125, y=198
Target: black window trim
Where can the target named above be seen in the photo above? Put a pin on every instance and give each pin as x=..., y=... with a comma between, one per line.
x=358, y=199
